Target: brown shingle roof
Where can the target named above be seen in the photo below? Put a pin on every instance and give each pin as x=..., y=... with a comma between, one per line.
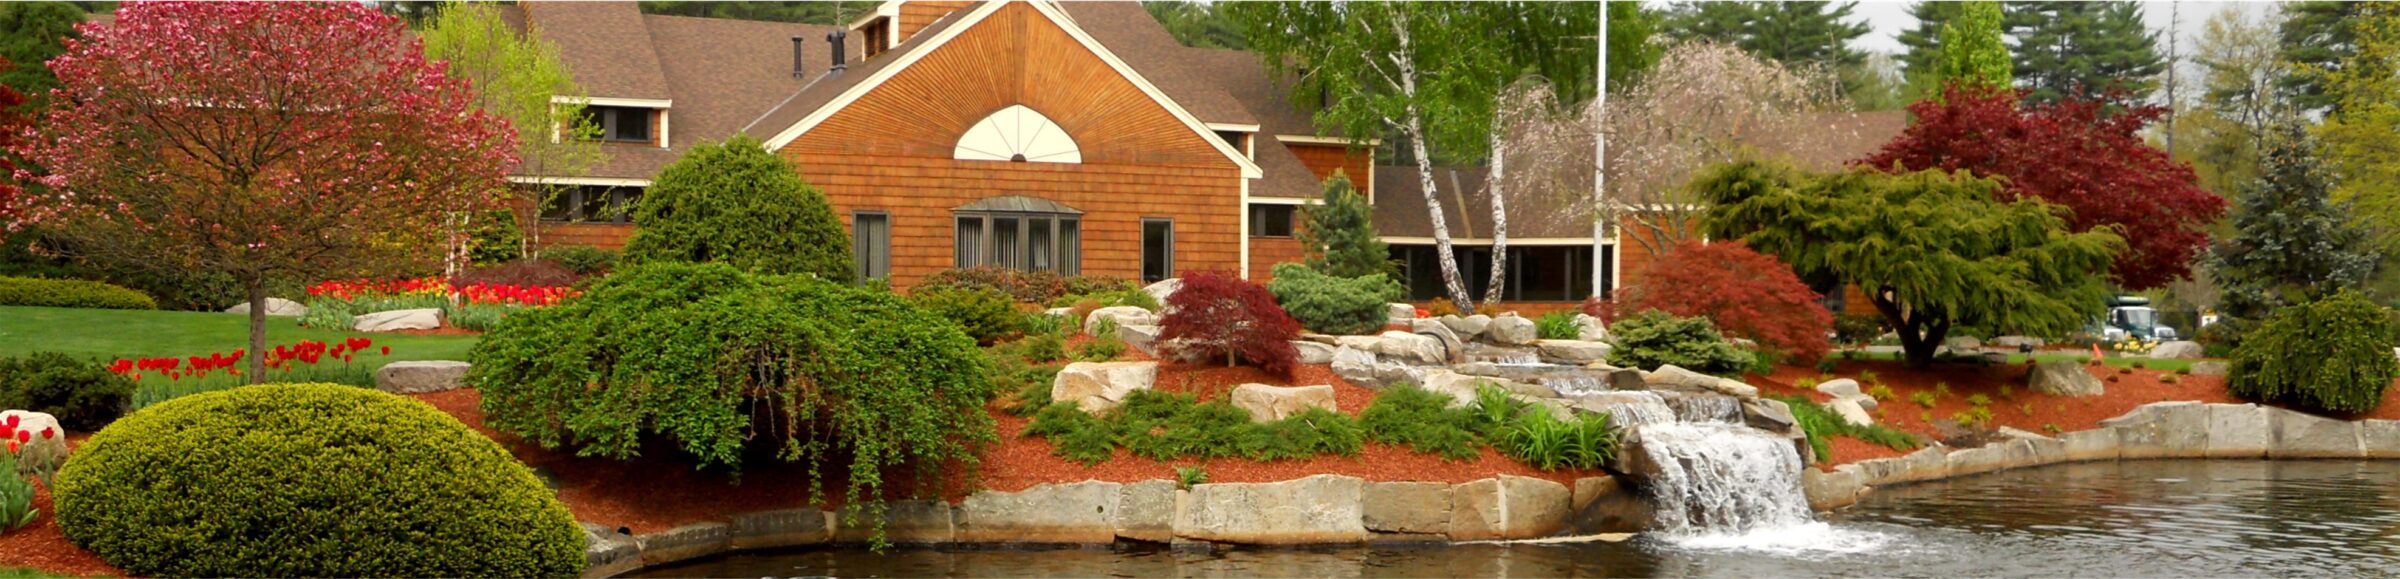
x=822, y=89
x=1281, y=174
x=1245, y=77
x=1129, y=32
x=606, y=46
x=1400, y=207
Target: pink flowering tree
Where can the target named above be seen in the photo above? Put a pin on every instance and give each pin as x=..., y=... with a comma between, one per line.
x=274, y=142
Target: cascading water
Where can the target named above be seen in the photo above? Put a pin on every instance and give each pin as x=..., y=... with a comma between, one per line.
x=1728, y=486
x=1706, y=408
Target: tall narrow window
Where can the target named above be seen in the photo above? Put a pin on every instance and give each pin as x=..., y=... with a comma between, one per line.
x=871, y=244
x=968, y=251
x=1158, y=249
x=1019, y=233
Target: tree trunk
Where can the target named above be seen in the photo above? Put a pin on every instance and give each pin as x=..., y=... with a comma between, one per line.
x=257, y=290
x=1917, y=340
x=1493, y=183
x=1415, y=131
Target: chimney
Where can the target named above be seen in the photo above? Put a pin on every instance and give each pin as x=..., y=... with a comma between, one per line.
x=835, y=38
x=799, y=43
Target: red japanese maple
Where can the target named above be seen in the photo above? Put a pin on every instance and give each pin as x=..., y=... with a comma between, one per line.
x=266, y=140
x=1748, y=294
x=2075, y=152
x=1217, y=316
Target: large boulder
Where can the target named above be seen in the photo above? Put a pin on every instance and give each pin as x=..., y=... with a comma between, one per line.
x=1963, y=344
x=1412, y=348
x=1146, y=511
x=1271, y=403
x=1164, y=289
x=1363, y=368
x=275, y=307
x=420, y=376
x=2013, y=342
x=1459, y=387
x=1839, y=387
x=1508, y=507
x=39, y=451
x=1099, y=386
x=1452, y=345
x=1047, y=513
x=1400, y=313
x=396, y=320
x=1321, y=509
x=2181, y=349
x=1676, y=377
x=1574, y=351
x=1142, y=337
x=1124, y=315
x=1590, y=329
x=1469, y=327
x=1406, y=507
x=1512, y=330
x=1851, y=411
x=2064, y=378
x=1313, y=352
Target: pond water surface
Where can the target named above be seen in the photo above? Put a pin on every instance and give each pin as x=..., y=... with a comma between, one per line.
x=2138, y=518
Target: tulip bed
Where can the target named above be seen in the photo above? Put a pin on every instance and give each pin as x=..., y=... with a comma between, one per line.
x=474, y=306
x=303, y=361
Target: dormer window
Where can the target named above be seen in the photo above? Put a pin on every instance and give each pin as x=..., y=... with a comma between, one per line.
x=622, y=124
x=1240, y=141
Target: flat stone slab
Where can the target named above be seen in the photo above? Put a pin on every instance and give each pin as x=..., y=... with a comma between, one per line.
x=1099, y=386
x=419, y=376
x=1321, y=509
x=1271, y=403
x=1406, y=507
x=1508, y=507
x=783, y=528
x=1083, y=512
x=681, y=543
x=396, y=320
x=906, y=522
x=275, y=307
x=1146, y=511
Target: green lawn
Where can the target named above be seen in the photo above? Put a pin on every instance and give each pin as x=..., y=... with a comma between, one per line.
x=112, y=334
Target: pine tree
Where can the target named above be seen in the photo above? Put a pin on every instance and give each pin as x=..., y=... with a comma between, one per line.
x=31, y=33
x=1796, y=34
x=1924, y=41
x=2292, y=241
x=1340, y=235
x=2084, y=49
x=2317, y=36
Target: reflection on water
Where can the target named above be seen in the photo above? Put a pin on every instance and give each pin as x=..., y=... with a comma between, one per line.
x=2143, y=518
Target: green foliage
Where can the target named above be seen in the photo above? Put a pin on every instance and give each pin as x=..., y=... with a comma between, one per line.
x=1041, y=348
x=32, y=33
x=16, y=496
x=1198, y=24
x=1339, y=238
x=1422, y=420
x=494, y=238
x=1029, y=286
x=1652, y=338
x=1188, y=476
x=291, y=480
x=738, y=203
x=1035, y=323
x=2085, y=49
x=83, y=395
x=1100, y=350
x=1166, y=426
x=1795, y=34
x=1973, y=52
x=2333, y=355
x=1821, y=425
x=1547, y=443
x=1880, y=393
x=985, y=315
x=2291, y=243
x=1108, y=298
x=2318, y=37
x=1922, y=398
x=1857, y=330
x=1933, y=250
x=1978, y=416
x=584, y=260
x=1331, y=304
x=1827, y=364
x=1558, y=325
x=1030, y=382
x=691, y=355
x=70, y=293
x=520, y=76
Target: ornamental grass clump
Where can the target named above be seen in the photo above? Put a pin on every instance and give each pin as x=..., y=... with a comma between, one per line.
x=310, y=480
x=716, y=361
x=2331, y=355
x=1332, y=304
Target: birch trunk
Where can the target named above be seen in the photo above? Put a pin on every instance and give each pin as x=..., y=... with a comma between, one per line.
x=1415, y=127
x=1493, y=183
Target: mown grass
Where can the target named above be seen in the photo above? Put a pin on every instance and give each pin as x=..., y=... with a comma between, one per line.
x=106, y=335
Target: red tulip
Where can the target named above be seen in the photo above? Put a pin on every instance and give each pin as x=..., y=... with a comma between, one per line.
x=48, y=433
x=11, y=423
x=12, y=447
x=387, y=350
x=24, y=436
x=7, y=431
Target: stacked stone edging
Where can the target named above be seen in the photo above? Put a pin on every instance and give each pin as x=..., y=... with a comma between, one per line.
x=1316, y=510
x=2184, y=429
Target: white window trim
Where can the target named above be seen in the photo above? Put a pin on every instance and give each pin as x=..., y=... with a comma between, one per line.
x=1526, y=241
x=593, y=101
x=598, y=181
x=1317, y=140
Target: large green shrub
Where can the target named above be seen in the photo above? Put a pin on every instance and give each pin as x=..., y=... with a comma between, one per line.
x=310, y=480
x=1653, y=338
x=70, y=293
x=1025, y=285
x=83, y=394
x=494, y=238
x=710, y=359
x=2333, y=354
x=1334, y=305
x=984, y=314
x=738, y=203
x=584, y=260
x=1339, y=238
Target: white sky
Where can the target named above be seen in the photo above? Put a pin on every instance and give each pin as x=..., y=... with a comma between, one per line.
x=1891, y=17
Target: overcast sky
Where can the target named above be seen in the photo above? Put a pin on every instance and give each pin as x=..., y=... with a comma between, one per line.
x=1890, y=18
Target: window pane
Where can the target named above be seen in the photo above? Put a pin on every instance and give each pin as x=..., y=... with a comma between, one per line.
x=1008, y=243
x=558, y=205
x=1070, y=247
x=967, y=251
x=1158, y=250
x=870, y=244
x=626, y=198
x=633, y=124
x=594, y=204
x=1041, y=253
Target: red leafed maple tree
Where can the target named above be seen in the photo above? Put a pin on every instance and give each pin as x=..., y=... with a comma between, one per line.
x=1746, y=293
x=1216, y=316
x=2074, y=152
x=270, y=141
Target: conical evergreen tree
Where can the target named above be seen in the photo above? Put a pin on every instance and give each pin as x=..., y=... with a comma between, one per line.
x=1795, y=34
x=1340, y=236
x=2292, y=241
x=2084, y=49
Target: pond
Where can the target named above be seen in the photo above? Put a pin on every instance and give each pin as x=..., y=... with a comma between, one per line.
x=2138, y=518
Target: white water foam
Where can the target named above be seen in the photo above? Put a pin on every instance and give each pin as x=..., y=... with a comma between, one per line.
x=1727, y=487
x=1804, y=540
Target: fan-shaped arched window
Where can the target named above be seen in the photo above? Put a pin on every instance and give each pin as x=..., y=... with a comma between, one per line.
x=1017, y=134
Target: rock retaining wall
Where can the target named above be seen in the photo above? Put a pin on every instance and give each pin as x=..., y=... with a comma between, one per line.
x=1317, y=510
x=2155, y=430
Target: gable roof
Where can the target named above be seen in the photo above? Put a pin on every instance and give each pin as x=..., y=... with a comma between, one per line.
x=933, y=37
x=592, y=42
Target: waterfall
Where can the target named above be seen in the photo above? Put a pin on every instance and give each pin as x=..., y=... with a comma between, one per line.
x=1574, y=384
x=1716, y=479
x=1629, y=409
x=1706, y=408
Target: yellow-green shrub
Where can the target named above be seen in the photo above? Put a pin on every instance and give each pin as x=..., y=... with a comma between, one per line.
x=310, y=480
x=70, y=293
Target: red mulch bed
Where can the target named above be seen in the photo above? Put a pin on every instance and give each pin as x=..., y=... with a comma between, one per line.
x=2126, y=389
x=40, y=545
